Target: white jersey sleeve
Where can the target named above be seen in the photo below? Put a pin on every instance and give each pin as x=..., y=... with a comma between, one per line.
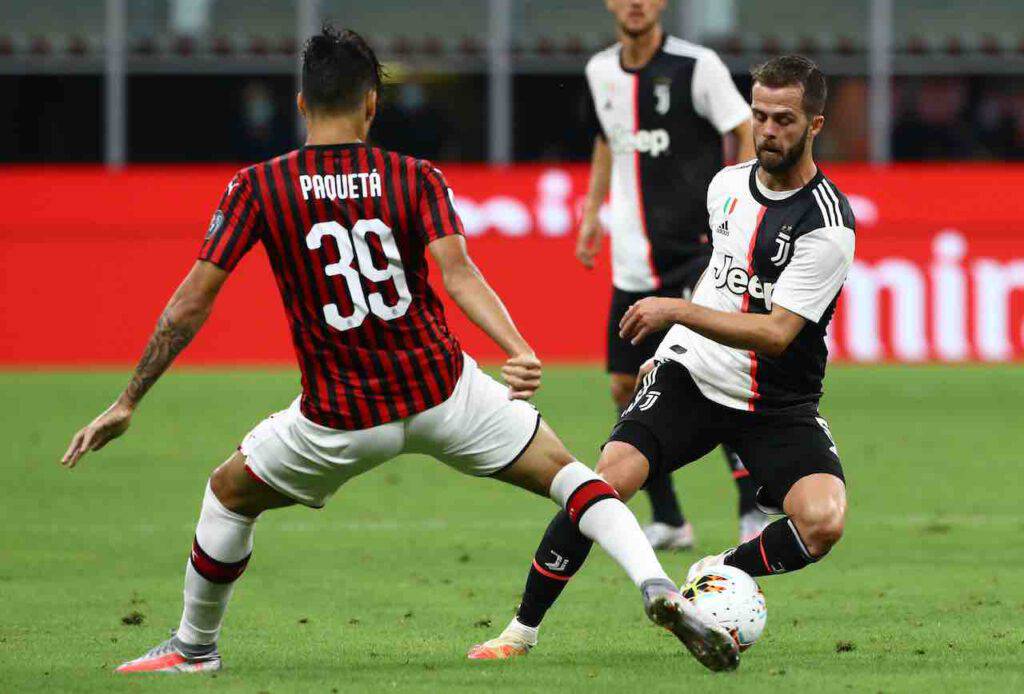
x=715, y=96
x=821, y=260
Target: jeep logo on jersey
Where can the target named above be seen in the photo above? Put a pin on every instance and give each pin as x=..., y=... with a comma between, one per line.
x=662, y=96
x=738, y=281
x=652, y=142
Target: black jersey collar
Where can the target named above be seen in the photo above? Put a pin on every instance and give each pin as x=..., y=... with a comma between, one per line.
x=337, y=145
x=768, y=202
x=634, y=70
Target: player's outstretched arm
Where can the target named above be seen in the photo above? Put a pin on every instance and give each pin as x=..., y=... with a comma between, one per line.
x=184, y=315
x=769, y=334
x=468, y=288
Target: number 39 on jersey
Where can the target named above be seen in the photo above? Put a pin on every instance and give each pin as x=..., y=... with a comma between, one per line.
x=354, y=246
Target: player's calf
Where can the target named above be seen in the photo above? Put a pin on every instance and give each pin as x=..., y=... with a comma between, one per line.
x=592, y=511
x=222, y=546
x=220, y=553
x=816, y=512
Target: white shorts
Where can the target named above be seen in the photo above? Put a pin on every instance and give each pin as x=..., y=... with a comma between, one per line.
x=477, y=431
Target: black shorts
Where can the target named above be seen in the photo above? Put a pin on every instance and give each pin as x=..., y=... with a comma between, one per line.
x=625, y=358
x=672, y=423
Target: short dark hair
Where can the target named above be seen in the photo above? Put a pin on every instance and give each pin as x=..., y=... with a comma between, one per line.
x=791, y=70
x=338, y=69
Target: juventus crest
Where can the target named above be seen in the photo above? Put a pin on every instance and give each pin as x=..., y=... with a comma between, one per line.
x=785, y=243
x=662, y=96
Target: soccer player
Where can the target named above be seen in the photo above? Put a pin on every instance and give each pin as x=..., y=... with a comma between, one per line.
x=346, y=228
x=660, y=109
x=744, y=360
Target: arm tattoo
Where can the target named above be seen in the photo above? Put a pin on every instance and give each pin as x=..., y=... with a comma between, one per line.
x=164, y=345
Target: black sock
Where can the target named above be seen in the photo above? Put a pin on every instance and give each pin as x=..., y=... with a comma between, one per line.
x=777, y=550
x=664, y=504
x=561, y=553
x=745, y=485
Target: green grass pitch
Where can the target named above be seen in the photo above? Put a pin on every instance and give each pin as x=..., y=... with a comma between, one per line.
x=408, y=566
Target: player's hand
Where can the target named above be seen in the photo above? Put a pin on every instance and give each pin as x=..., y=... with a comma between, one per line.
x=649, y=316
x=522, y=374
x=100, y=431
x=588, y=242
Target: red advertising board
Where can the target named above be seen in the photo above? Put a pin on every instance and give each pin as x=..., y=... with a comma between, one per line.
x=90, y=256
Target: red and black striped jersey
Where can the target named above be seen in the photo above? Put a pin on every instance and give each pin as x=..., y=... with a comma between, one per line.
x=345, y=228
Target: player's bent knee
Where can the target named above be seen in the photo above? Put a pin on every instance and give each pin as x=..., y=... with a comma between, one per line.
x=821, y=526
x=537, y=466
x=623, y=467
x=222, y=486
x=240, y=493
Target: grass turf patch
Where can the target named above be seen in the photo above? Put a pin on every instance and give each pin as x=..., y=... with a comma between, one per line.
x=412, y=563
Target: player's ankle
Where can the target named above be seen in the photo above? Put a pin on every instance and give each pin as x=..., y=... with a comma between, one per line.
x=193, y=649
x=522, y=631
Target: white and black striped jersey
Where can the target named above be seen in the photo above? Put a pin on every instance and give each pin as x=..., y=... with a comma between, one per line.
x=793, y=249
x=664, y=124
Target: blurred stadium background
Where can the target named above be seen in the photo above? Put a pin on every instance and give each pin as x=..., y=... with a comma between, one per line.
x=121, y=121
x=157, y=101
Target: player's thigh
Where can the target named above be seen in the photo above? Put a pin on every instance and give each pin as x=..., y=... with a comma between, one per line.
x=478, y=430
x=536, y=468
x=669, y=422
x=307, y=462
x=779, y=449
x=624, y=467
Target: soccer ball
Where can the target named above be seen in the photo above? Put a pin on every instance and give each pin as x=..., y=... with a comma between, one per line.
x=733, y=599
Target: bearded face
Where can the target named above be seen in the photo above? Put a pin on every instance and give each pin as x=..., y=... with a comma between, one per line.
x=783, y=130
x=775, y=157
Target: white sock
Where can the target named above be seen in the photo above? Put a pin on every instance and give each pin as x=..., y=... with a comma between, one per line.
x=225, y=537
x=609, y=523
x=517, y=628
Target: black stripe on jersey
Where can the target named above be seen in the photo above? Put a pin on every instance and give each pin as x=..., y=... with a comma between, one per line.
x=316, y=275
x=302, y=165
x=435, y=210
x=400, y=216
x=440, y=201
x=406, y=189
x=214, y=248
x=437, y=339
x=349, y=214
x=317, y=383
x=345, y=357
x=239, y=229
x=426, y=321
x=390, y=206
x=369, y=329
x=377, y=208
x=374, y=330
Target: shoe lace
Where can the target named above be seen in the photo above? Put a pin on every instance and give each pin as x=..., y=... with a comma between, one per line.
x=162, y=648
